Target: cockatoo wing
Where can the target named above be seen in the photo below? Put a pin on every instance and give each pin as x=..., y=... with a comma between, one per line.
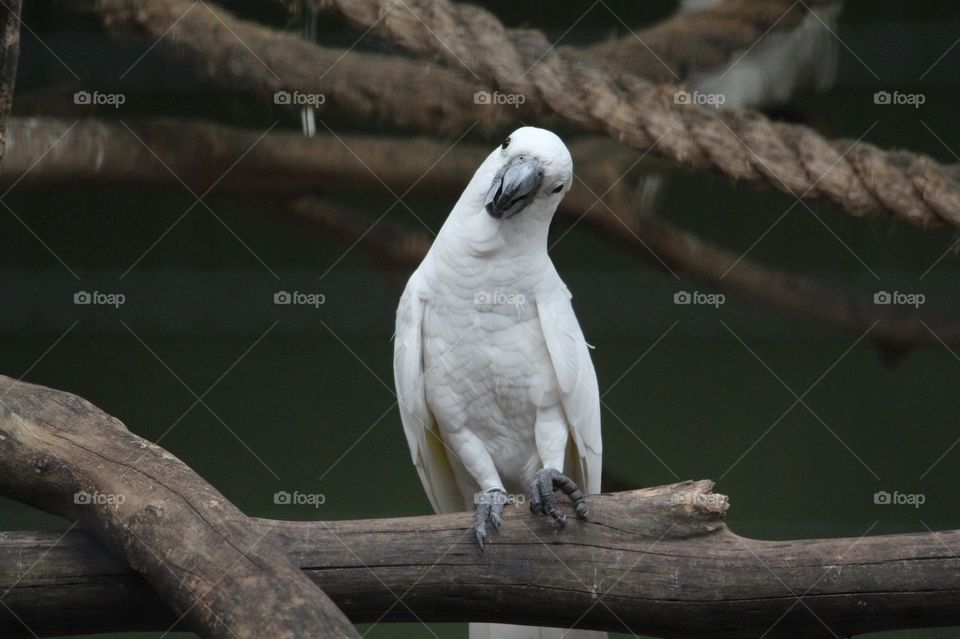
x=423, y=436
x=579, y=392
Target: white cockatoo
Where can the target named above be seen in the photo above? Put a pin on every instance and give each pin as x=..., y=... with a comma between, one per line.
x=779, y=65
x=497, y=392
x=766, y=75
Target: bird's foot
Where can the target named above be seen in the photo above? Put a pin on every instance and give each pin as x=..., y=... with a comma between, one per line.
x=542, y=499
x=489, y=505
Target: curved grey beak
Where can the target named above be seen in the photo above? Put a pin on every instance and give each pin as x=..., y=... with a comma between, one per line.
x=514, y=187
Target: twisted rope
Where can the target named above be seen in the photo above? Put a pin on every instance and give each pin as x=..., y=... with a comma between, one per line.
x=742, y=144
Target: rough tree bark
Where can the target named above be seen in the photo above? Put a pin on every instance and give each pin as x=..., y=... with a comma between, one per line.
x=60, y=453
x=9, y=56
x=655, y=562
x=658, y=561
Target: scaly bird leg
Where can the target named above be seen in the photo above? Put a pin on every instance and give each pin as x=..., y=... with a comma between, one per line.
x=489, y=505
x=542, y=499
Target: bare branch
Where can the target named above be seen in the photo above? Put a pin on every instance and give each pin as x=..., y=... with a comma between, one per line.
x=657, y=561
x=60, y=453
x=287, y=164
x=240, y=54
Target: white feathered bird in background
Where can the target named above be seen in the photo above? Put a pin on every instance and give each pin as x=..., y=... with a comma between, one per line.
x=768, y=74
x=496, y=388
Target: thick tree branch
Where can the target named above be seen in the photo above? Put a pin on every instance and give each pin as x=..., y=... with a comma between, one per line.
x=161, y=152
x=217, y=46
x=657, y=561
x=60, y=453
x=288, y=164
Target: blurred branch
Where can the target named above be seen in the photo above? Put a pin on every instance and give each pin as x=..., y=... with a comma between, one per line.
x=742, y=144
x=9, y=56
x=392, y=244
x=60, y=453
x=894, y=329
x=284, y=165
x=240, y=54
x=160, y=152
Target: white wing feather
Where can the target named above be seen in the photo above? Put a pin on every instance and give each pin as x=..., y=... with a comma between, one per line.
x=579, y=392
x=426, y=447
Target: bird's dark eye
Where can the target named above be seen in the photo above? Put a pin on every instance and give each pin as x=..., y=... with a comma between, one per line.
x=558, y=189
x=505, y=143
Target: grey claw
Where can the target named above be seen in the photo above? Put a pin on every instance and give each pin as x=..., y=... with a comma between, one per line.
x=496, y=519
x=489, y=505
x=543, y=499
x=480, y=522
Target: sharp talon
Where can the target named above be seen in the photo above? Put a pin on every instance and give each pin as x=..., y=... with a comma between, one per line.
x=543, y=499
x=489, y=506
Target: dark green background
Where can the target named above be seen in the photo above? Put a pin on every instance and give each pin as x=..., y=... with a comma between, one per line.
x=303, y=401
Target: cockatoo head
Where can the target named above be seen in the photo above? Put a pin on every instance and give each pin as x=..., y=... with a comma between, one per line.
x=533, y=168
